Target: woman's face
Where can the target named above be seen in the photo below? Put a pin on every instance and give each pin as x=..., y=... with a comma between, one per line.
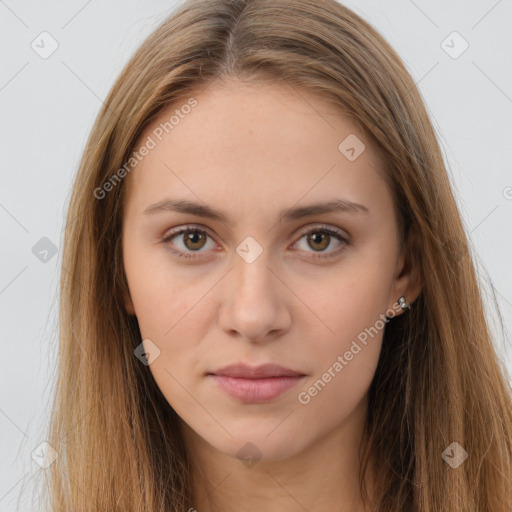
x=265, y=278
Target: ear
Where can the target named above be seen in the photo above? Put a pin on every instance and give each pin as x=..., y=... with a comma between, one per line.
x=407, y=281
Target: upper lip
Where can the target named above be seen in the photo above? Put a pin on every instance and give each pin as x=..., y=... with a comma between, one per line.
x=254, y=372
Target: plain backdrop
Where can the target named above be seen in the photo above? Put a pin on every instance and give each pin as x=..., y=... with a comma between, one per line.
x=48, y=105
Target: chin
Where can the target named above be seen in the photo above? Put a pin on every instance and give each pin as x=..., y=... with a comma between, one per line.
x=252, y=445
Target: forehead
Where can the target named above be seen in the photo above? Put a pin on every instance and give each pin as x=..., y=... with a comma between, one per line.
x=236, y=142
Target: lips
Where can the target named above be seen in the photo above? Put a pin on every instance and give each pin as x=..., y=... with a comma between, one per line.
x=258, y=384
x=256, y=372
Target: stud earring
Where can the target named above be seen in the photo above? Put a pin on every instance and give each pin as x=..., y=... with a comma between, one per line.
x=403, y=303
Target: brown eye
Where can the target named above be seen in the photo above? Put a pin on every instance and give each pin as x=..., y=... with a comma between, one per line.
x=320, y=238
x=192, y=240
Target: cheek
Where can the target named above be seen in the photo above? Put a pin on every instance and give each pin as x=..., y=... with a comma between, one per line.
x=171, y=312
x=160, y=297
x=345, y=362
x=349, y=331
x=168, y=316
x=348, y=303
x=166, y=313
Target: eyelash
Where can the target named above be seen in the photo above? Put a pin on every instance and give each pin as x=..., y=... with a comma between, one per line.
x=317, y=229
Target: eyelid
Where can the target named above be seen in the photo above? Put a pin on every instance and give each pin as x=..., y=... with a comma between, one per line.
x=184, y=228
x=324, y=227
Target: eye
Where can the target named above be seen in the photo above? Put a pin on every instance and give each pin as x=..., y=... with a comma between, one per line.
x=320, y=237
x=195, y=239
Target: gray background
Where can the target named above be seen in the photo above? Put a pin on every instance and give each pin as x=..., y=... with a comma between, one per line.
x=47, y=107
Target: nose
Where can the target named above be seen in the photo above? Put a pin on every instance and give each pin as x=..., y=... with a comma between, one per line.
x=256, y=302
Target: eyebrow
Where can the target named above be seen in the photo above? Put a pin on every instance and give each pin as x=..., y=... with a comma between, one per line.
x=294, y=213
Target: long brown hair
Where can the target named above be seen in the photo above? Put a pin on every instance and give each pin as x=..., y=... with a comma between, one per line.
x=438, y=380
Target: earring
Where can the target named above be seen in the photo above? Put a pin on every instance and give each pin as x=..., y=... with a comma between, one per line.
x=403, y=303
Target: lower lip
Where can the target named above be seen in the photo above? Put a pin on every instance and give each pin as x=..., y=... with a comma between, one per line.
x=256, y=390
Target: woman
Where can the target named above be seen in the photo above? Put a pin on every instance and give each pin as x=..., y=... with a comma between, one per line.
x=268, y=301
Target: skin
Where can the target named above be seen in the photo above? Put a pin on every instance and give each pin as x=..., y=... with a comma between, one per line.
x=253, y=151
